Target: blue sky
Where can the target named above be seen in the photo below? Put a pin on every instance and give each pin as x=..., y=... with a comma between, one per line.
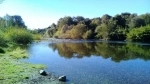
x=42, y=13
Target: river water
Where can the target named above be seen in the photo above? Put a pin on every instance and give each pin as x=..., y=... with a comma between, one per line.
x=94, y=62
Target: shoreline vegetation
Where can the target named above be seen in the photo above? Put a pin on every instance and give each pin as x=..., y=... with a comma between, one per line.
x=15, y=38
x=14, y=41
x=121, y=27
x=13, y=70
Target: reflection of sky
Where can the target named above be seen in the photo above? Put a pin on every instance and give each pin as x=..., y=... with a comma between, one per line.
x=93, y=70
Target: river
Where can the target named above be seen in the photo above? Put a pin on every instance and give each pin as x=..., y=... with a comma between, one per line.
x=94, y=62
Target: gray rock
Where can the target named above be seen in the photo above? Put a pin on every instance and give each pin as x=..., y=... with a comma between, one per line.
x=62, y=78
x=42, y=72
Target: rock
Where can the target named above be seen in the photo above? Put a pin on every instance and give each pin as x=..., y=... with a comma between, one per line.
x=42, y=72
x=62, y=78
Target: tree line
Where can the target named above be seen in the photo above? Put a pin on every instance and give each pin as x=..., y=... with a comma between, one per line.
x=124, y=26
x=14, y=20
x=14, y=30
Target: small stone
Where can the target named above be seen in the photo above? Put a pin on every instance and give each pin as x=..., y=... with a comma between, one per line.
x=62, y=78
x=42, y=72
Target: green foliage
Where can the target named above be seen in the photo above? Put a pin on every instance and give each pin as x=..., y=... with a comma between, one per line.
x=37, y=36
x=13, y=71
x=50, y=32
x=102, y=31
x=139, y=34
x=57, y=34
x=78, y=31
x=95, y=22
x=88, y=34
x=2, y=39
x=13, y=29
x=118, y=34
x=13, y=32
x=18, y=35
x=146, y=18
x=1, y=50
x=18, y=53
x=136, y=22
x=15, y=20
x=106, y=27
x=64, y=21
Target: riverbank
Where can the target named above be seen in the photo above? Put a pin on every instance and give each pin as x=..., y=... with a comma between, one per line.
x=15, y=71
x=71, y=40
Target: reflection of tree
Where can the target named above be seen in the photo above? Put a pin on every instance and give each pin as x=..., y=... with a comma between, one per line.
x=70, y=50
x=140, y=51
x=117, y=52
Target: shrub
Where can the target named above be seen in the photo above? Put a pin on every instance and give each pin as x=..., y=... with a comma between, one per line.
x=18, y=35
x=37, y=37
x=139, y=34
x=2, y=39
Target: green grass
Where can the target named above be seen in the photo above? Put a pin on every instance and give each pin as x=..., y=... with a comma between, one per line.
x=13, y=71
x=13, y=42
x=18, y=53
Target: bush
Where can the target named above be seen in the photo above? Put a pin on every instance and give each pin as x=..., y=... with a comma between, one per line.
x=18, y=35
x=2, y=39
x=139, y=34
x=37, y=37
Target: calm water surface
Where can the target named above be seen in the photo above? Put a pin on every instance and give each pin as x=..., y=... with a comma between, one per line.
x=95, y=62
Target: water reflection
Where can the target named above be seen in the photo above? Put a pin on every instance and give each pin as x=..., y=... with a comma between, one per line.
x=116, y=51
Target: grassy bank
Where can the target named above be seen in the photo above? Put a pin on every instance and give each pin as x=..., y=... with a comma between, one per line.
x=13, y=70
x=13, y=46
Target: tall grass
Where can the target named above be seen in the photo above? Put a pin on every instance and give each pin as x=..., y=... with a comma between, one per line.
x=2, y=39
x=18, y=35
x=37, y=36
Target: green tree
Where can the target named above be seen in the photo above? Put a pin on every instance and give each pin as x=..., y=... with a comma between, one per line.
x=78, y=31
x=95, y=22
x=139, y=34
x=18, y=21
x=88, y=34
x=136, y=22
x=146, y=18
x=105, y=18
x=2, y=23
x=51, y=30
x=102, y=31
x=67, y=20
